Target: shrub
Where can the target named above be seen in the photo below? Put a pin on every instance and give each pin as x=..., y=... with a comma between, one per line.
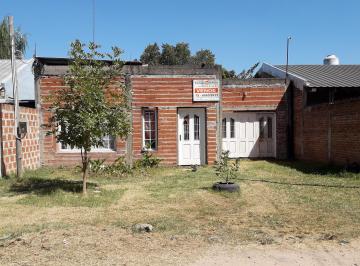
x=118, y=167
x=97, y=166
x=148, y=160
x=225, y=169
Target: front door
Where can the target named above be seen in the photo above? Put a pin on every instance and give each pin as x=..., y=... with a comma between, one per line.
x=191, y=136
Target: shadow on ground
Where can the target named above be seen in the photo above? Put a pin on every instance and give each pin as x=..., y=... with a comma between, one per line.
x=309, y=167
x=43, y=186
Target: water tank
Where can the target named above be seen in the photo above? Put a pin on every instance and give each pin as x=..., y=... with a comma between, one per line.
x=331, y=60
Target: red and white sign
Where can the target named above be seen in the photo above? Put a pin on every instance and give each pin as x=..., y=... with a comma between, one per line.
x=206, y=90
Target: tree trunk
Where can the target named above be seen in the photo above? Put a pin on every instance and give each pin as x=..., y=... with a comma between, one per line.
x=85, y=162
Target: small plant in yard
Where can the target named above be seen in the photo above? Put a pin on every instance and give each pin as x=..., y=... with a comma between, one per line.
x=226, y=170
x=148, y=160
x=118, y=167
x=96, y=166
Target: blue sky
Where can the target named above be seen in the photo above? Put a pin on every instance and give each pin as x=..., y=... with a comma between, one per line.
x=240, y=33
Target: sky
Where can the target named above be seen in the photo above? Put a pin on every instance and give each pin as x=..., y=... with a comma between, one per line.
x=239, y=33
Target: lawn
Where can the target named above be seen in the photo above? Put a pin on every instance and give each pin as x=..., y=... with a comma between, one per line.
x=278, y=201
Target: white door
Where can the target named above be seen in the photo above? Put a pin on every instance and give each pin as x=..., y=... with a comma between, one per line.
x=266, y=134
x=249, y=134
x=191, y=136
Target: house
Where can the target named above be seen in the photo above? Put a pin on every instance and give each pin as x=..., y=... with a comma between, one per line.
x=25, y=79
x=324, y=111
x=28, y=117
x=185, y=115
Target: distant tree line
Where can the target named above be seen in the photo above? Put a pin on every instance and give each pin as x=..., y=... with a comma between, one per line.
x=180, y=54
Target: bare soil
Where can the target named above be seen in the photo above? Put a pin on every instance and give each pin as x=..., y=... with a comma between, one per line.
x=92, y=245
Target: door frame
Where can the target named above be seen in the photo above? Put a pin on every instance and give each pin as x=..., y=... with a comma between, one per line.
x=237, y=115
x=273, y=133
x=203, y=144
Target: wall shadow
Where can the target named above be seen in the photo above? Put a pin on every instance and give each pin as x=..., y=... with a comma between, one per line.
x=309, y=167
x=41, y=186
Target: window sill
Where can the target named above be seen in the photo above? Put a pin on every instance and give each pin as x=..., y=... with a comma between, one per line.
x=92, y=151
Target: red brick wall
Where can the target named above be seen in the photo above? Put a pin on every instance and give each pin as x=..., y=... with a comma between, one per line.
x=30, y=144
x=167, y=94
x=236, y=97
x=261, y=97
x=327, y=133
x=51, y=153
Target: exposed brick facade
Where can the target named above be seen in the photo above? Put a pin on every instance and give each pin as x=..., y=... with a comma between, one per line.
x=166, y=89
x=260, y=95
x=327, y=132
x=168, y=94
x=50, y=150
x=30, y=144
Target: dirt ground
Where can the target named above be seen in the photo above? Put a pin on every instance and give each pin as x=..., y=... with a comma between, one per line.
x=92, y=245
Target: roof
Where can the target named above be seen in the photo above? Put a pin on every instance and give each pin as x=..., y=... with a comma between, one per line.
x=52, y=66
x=5, y=68
x=324, y=75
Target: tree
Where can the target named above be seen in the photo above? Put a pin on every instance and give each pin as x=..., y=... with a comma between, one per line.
x=182, y=53
x=247, y=74
x=94, y=103
x=228, y=74
x=151, y=55
x=5, y=43
x=168, y=55
x=204, y=57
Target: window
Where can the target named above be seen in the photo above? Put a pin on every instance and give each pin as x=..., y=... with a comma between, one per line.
x=108, y=145
x=196, y=127
x=269, y=127
x=224, y=128
x=149, y=129
x=232, y=128
x=186, y=127
x=262, y=128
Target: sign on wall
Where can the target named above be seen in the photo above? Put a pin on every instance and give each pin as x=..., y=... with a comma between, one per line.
x=206, y=90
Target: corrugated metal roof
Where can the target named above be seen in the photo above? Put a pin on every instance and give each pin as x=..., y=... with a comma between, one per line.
x=5, y=68
x=326, y=75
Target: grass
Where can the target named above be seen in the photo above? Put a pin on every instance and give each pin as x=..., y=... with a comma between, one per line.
x=277, y=200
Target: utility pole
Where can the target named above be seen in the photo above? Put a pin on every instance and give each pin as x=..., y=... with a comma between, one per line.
x=16, y=100
x=287, y=58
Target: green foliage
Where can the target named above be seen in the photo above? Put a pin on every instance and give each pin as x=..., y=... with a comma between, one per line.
x=182, y=53
x=93, y=104
x=168, y=55
x=151, y=55
x=178, y=54
x=5, y=43
x=225, y=169
x=228, y=74
x=148, y=160
x=96, y=166
x=118, y=167
x=203, y=57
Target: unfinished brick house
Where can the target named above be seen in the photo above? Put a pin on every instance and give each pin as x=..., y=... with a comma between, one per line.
x=324, y=111
x=184, y=114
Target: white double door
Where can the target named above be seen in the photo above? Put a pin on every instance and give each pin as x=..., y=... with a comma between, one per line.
x=191, y=136
x=249, y=134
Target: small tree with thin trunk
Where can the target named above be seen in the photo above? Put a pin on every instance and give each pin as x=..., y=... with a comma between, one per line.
x=93, y=104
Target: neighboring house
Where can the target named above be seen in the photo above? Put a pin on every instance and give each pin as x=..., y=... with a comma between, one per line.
x=28, y=115
x=185, y=115
x=324, y=111
x=25, y=79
